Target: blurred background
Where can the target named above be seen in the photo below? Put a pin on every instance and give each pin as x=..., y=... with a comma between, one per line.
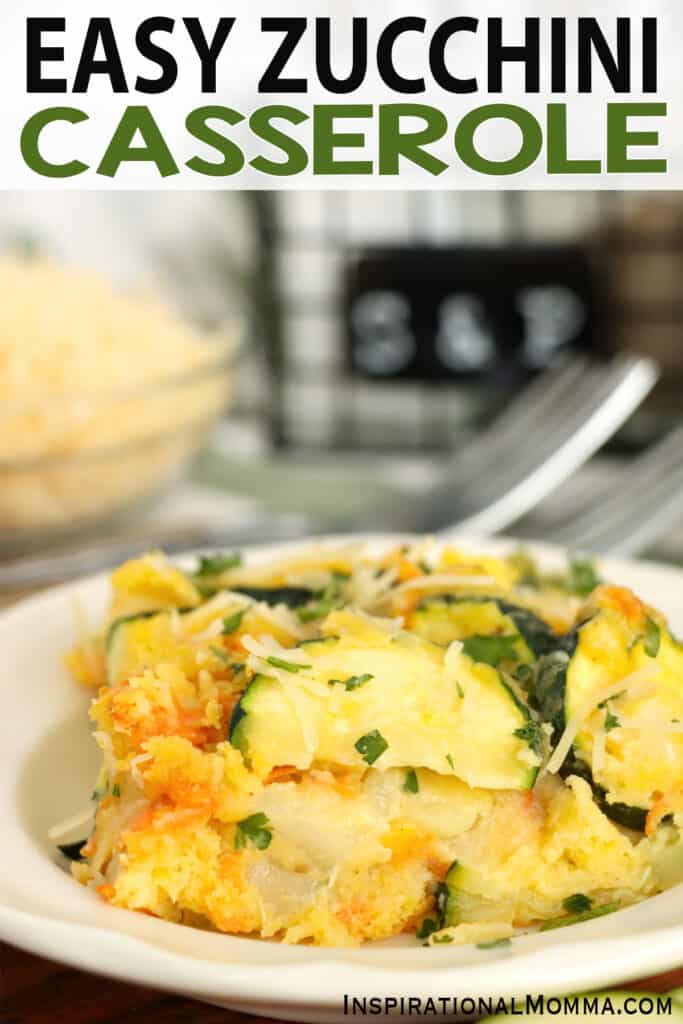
x=300, y=361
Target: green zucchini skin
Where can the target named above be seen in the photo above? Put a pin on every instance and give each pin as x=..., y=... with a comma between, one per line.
x=548, y=696
x=537, y=634
x=113, y=634
x=547, y=692
x=318, y=642
x=240, y=712
x=633, y=818
x=293, y=597
x=124, y=619
x=446, y=900
x=72, y=851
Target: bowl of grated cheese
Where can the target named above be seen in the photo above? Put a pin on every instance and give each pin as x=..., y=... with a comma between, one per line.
x=104, y=397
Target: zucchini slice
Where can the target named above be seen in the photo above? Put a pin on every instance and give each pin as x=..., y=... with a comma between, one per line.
x=532, y=872
x=293, y=597
x=449, y=617
x=628, y=743
x=137, y=642
x=456, y=905
x=133, y=643
x=370, y=698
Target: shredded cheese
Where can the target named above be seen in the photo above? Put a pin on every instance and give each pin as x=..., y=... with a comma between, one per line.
x=267, y=647
x=210, y=633
x=308, y=732
x=440, y=580
x=366, y=589
x=632, y=683
x=452, y=656
x=135, y=769
x=104, y=742
x=599, y=752
x=390, y=626
x=282, y=617
x=221, y=602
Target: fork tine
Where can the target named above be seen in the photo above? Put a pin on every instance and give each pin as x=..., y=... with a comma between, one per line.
x=537, y=400
x=506, y=464
x=635, y=513
x=495, y=500
x=647, y=518
x=566, y=416
x=644, y=471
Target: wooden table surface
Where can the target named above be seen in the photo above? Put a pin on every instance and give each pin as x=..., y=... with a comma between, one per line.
x=38, y=991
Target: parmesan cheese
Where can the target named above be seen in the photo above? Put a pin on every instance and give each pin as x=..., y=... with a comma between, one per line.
x=439, y=581
x=632, y=684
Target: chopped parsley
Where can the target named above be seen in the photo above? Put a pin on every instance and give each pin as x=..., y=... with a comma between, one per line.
x=491, y=649
x=461, y=692
x=449, y=758
x=611, y=721
x=577, y=904
x=237, y=666
x=442, y=939
x=411, y=784
x=116, y=790
x=325, y=600
x=353, y=682
x=427, y=928
x=652, y=638
x=494, y=944
x=287, y=666
x=371, y=746
x=214, y=565
x=582, y=577
x=253, y=829
x=219, y=653
x=233, y=622
x=532, y=734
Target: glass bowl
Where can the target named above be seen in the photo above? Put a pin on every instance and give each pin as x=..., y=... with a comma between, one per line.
x=69, y=463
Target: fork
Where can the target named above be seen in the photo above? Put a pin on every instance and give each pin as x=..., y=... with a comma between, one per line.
x=546, y=434
x=634, y=508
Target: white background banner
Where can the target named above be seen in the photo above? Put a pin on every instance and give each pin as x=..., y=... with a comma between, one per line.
x=188, y=157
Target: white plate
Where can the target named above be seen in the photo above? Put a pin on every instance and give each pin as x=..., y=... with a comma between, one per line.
x=48, y=766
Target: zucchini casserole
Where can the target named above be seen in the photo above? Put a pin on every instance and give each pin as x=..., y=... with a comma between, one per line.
x=350, y=742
